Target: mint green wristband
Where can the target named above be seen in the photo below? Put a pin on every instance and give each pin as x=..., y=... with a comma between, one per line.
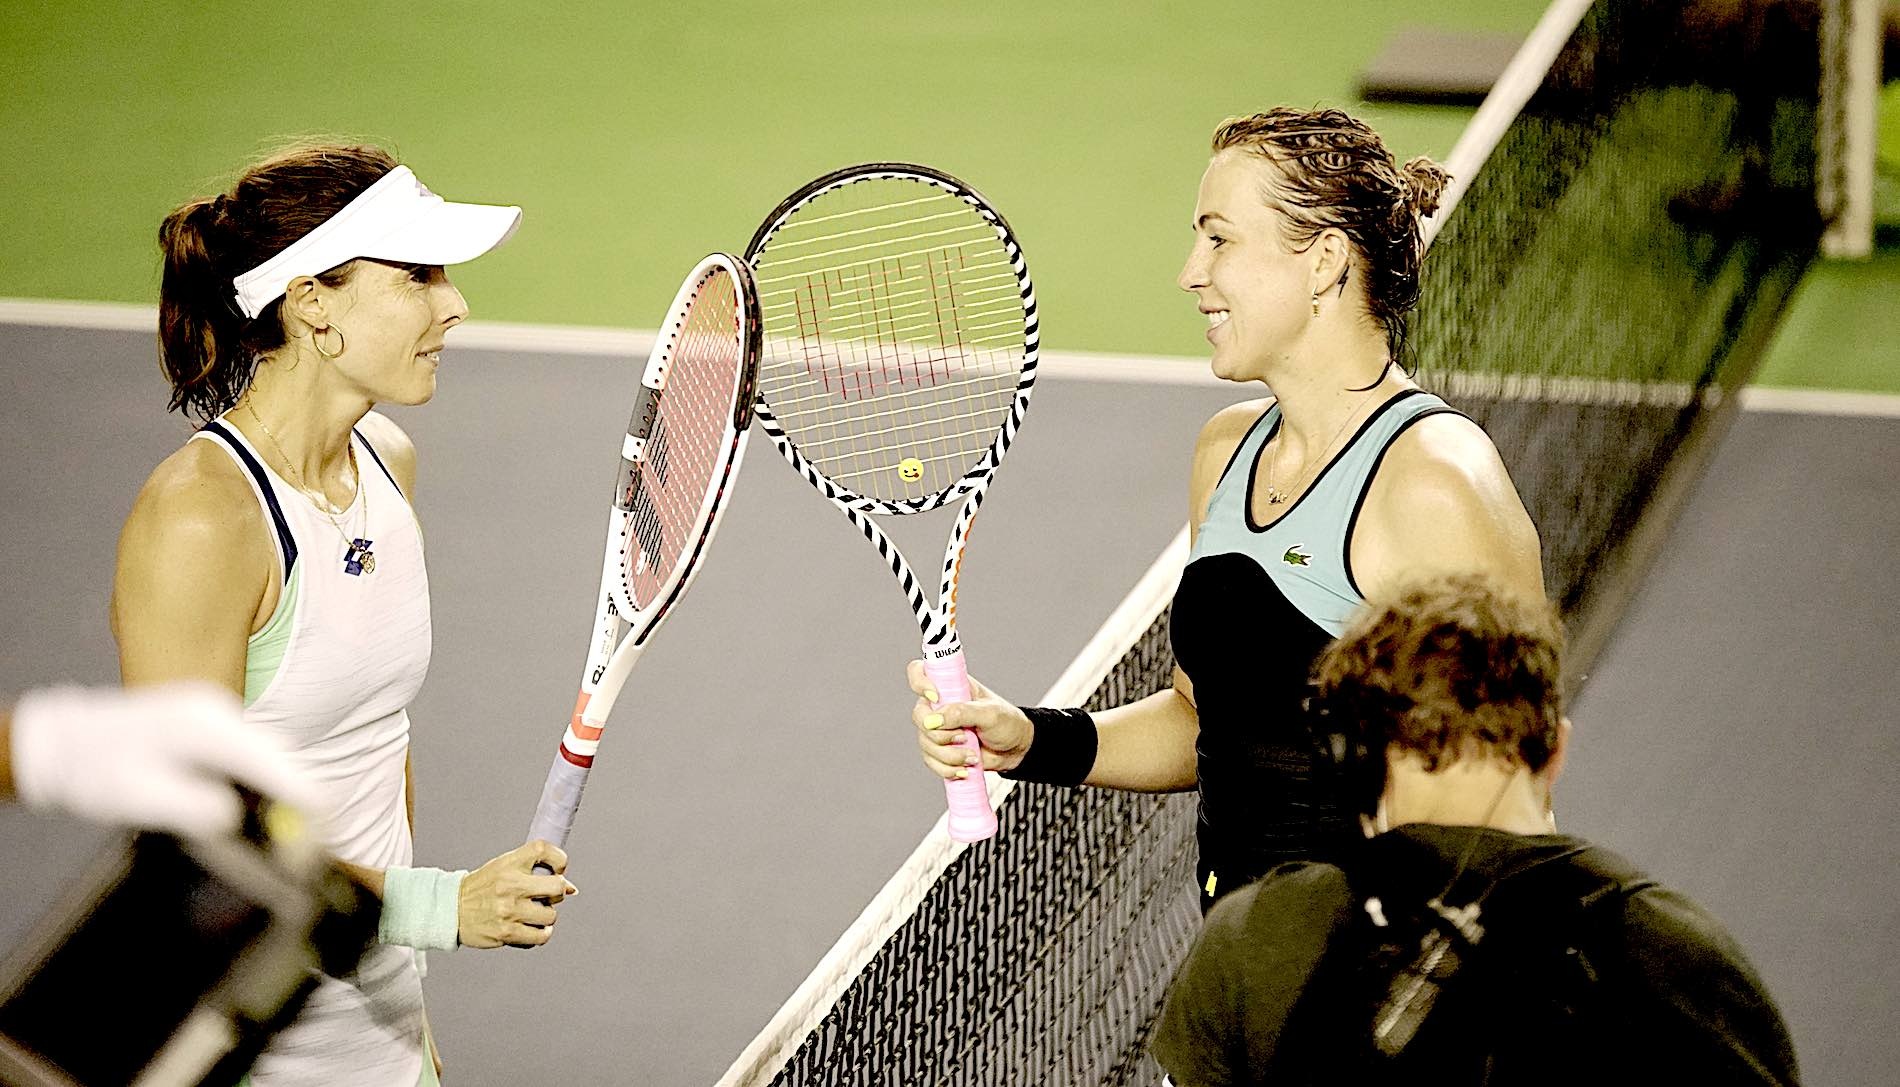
x=421, y=908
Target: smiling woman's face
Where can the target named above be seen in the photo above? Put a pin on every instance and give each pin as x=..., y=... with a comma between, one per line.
x=1254, y=288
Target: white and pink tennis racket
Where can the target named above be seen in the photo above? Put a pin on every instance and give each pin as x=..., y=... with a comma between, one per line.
x=681, y=452
x=900, y=352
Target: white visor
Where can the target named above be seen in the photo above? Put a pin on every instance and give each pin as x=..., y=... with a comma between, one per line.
x=397, y=219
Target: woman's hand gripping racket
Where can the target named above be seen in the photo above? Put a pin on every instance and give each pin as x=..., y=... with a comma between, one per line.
x=900, y=351
x=682, y=450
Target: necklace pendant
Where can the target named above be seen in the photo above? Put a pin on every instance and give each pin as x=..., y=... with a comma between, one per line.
x=358, y=559
x=1274, y=496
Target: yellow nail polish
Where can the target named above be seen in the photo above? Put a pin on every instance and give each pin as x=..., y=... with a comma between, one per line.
x=933, y=720
x=932, y=696
x=961, y=774
x=1210, y=882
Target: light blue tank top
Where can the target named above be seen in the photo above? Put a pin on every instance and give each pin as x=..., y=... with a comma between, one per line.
x=1307, y=551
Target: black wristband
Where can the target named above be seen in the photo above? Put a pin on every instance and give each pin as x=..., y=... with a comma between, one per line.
x=1061, y=749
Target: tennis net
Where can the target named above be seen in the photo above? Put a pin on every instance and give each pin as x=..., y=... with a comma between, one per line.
x=1630, y=211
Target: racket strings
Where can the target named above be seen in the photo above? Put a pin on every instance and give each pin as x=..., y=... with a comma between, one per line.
x=964, y=434
x=895, y=335
x=908, y=316
x=942, y=433
x=806, y=264
x=806, y=220
x=946, y=405
x=830, y=241
x=691, y=431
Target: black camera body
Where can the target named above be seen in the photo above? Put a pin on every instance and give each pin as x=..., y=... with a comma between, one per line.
x=175, y=960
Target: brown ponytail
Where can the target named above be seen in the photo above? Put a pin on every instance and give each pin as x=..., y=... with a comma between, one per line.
x=198, y=325
x=207, y=348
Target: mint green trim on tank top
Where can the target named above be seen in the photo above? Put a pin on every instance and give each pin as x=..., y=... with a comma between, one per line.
x=1306, y=552
x=264, y=652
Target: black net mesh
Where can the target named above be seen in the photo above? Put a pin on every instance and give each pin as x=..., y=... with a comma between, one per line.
x=1610, y=275
x=1069, y=923
x=1606, y=281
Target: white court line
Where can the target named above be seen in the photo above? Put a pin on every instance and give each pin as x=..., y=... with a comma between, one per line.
x=1073, y=365
x=1820, y=402
x=108, y=316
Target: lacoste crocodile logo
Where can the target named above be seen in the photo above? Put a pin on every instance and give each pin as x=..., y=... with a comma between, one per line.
x=1295, y=557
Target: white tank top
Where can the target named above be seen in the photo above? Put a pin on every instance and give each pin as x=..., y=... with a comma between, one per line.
x=349, y=641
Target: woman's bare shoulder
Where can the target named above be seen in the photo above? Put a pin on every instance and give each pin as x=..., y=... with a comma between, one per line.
x=393, y=447
x=1220, y=436
x=198, y=488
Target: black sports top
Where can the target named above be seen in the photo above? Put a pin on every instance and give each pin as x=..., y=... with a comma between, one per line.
x=1255, y=609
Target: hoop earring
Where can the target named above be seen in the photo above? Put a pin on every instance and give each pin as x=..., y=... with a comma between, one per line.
x=316, y=340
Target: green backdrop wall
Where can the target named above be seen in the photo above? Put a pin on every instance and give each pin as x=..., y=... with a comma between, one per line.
x=639, y=137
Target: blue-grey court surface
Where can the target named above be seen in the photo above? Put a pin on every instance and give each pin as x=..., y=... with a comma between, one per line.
x=759, y=782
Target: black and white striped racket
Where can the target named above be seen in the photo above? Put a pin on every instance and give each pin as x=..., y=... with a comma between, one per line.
x=678, y=459
x=900, y=352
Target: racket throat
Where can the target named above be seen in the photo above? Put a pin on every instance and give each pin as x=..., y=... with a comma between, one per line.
x=939, y=631
x=944, y=650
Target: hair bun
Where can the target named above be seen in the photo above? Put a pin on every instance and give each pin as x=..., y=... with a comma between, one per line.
x=1425, y=183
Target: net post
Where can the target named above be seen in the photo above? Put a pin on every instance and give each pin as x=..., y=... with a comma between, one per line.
x=1850, y=98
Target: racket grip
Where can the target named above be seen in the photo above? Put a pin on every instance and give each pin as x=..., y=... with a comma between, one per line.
x=971, y=817
x=560, y=801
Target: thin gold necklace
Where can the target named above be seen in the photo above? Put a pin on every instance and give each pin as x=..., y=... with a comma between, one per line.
x=1275, y=496
x=358, y=559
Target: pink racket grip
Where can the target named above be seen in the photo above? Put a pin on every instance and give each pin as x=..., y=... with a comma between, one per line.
x=971, y=818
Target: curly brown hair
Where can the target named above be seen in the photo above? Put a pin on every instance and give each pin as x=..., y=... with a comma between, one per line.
x=1446, y=670
x=1334, y=172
